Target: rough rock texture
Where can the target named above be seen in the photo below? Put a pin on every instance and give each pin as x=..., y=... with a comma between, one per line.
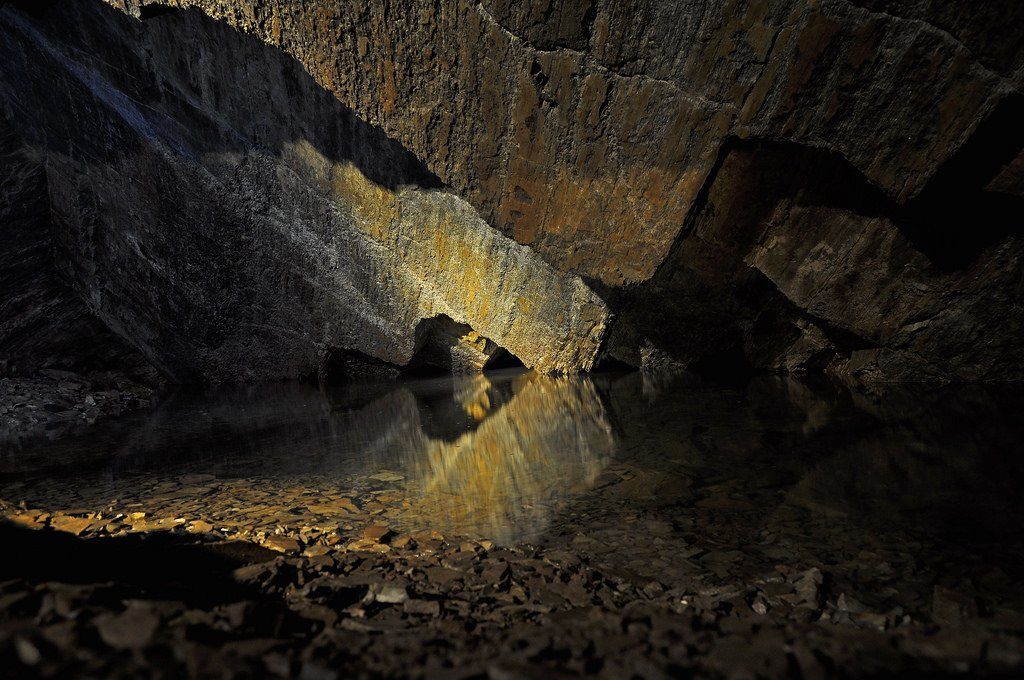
x=42, y=324
x=677, y=155
x=588, y=128
x=793, y=257
x=234, y=221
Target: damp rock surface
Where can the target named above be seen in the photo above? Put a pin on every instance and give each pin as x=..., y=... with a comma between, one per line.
x=225, y=214
x=238, y=191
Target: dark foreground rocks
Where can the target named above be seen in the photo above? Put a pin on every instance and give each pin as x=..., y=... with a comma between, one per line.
x=771, y=531
x=199, y=576
x=167, y=605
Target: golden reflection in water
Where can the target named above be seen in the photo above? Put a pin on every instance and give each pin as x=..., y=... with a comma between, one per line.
x=504, y=479
x=482, y=458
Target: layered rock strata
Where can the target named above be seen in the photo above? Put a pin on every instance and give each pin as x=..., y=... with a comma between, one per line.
x=235, y=222
x=784, y=185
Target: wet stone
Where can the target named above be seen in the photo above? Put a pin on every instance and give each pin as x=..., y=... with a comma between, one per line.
x=376, y=532
x=282, y=544
x=660, y=569
x=389, y=594
x=950, y=607
x=422, y=607
x=131, y=629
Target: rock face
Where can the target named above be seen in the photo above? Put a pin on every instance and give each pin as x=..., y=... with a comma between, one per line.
x=787, y=185
x=235, y=222
x=43, y=325
x=794, y=261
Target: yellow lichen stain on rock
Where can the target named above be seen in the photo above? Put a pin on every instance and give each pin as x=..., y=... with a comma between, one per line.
x=374, y=205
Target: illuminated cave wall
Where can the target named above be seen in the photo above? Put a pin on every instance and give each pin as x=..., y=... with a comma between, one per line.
x=785, y=185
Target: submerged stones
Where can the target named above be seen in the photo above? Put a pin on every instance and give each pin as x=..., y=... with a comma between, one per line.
x=55, y=403
x=727, y=534
x=424, y=601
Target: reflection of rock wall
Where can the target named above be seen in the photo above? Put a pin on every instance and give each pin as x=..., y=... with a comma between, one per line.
x=234, y=221
x=947, y=460
x=535, y=439
x=502, y=479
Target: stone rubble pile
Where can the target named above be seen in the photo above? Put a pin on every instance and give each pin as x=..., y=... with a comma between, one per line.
x=55, y=402
x=179, y=577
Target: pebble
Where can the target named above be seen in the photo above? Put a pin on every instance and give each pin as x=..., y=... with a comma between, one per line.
x=392, y=595
x=365, y=581
x=282, y=544
x=376, y=532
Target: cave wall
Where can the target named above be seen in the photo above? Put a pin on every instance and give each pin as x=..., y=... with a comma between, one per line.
x=43, y=323
x=793, y=184
x=587, y=128
x=798, y=262
x=233, y=220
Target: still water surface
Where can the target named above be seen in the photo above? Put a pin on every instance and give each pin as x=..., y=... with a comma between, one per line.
x=657, y=479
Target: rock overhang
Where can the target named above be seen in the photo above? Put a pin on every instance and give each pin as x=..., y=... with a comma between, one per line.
x=238, y=234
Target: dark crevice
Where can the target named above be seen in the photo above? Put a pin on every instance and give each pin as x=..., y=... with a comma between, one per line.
x=503, y=359
x=342, y=366
x=609, y=364
x=540, y=79
x=698, y=207
x=152, y=11
x=589, y=17
x=954, y=219
x=727, y=366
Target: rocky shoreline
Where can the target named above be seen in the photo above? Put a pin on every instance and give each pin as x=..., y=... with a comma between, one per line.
x=422, y=605
x=199, y=575
x=54, y=403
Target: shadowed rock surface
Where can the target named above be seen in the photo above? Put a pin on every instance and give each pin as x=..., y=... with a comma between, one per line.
x=782, y=185
x=233, y=221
